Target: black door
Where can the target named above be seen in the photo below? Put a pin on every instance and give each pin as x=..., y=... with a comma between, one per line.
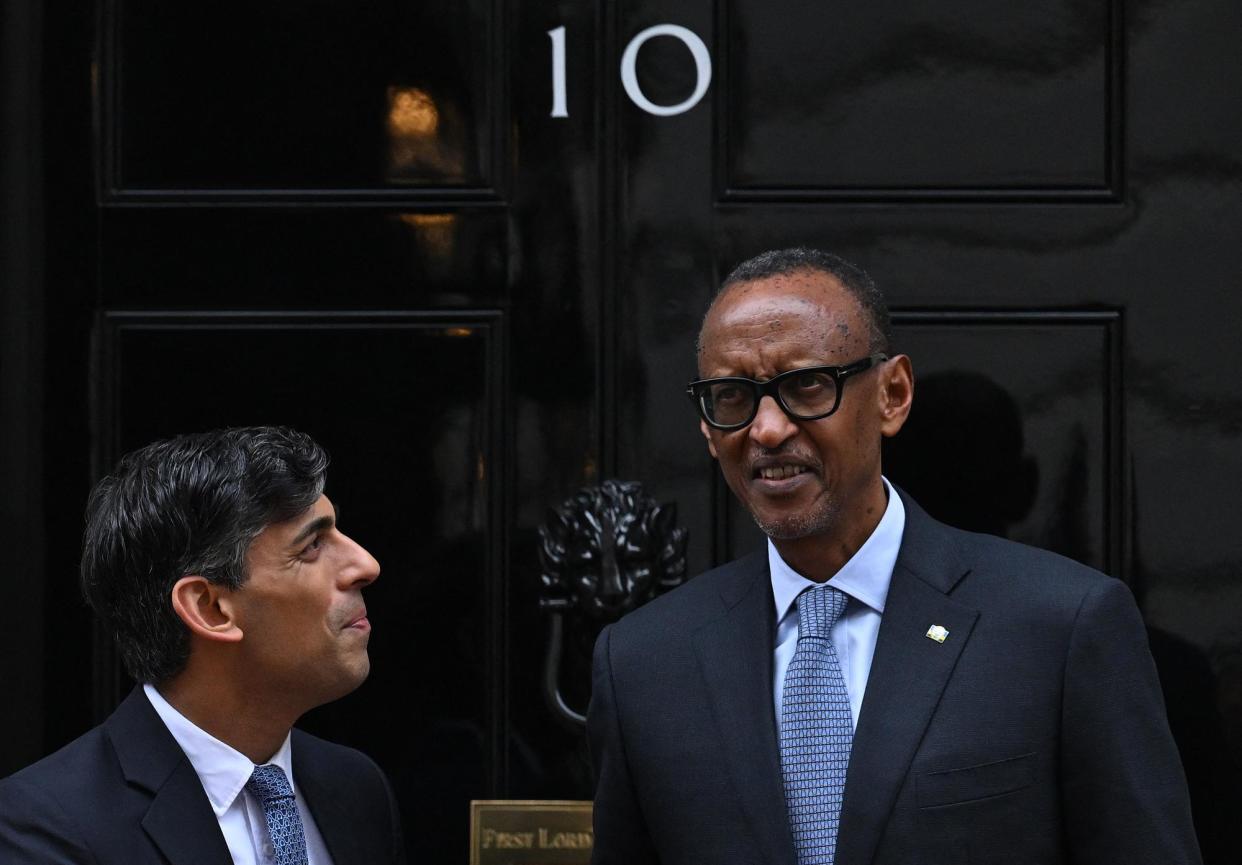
x=467, y=246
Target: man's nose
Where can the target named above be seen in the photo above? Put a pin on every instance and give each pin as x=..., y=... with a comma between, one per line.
x=361, y=568
x=771, y=426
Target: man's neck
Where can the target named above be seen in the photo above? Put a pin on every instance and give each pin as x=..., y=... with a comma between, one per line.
x=238, y=720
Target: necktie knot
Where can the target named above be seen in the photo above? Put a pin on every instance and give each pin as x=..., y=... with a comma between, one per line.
x=268, y=782
x=269, y=785
x=818, y=610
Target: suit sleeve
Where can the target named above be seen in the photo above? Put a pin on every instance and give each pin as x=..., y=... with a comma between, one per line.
x=621, y=833
x=35, y=829
x=1123, y=790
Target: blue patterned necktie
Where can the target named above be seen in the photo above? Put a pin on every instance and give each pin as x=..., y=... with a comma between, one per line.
x=269, y=785
x=816, y=729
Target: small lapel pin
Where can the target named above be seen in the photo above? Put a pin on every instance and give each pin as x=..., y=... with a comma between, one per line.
x=937, y=633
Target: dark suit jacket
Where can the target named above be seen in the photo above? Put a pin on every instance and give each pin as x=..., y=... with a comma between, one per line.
x=1035, y=733
x=125, y=794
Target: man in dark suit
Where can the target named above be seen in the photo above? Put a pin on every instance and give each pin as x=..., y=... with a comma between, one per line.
x=875, y=687
x=235, y=600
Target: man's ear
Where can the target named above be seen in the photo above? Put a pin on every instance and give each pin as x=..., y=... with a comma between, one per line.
x=896, y=394
x=707, y=434
x=206, y=608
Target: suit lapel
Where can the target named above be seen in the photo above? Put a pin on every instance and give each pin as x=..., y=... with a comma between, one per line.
x=179, y=821
x=342, y=837
x=908, y=675
x=735, y=655
x=346, y=834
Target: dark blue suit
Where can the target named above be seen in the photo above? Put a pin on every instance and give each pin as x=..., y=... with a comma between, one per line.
x=125, y=794
x=1035, y=733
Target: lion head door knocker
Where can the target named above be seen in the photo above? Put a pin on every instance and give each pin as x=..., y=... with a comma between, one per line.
x=606, y=551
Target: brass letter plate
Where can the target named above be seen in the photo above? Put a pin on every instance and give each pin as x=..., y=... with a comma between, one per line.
x=530, y=832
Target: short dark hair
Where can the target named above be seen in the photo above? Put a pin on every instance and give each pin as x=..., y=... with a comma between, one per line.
x=780, y=262
x=189, y=505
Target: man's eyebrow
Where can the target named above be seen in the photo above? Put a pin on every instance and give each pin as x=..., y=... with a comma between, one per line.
x=314, y=527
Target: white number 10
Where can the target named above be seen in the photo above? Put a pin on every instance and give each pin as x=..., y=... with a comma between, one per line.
x=629, y=77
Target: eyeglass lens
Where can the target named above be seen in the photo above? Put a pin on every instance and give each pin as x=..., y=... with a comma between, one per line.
x=805, y=394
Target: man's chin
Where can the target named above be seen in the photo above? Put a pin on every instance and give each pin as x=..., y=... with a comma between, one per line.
x=352, y=678
x=364, y=670
x=791, y=527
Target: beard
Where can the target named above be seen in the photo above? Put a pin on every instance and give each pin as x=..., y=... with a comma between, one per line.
x=822, y=517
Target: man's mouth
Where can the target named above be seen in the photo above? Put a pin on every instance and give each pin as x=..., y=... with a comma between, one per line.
x=779, y=473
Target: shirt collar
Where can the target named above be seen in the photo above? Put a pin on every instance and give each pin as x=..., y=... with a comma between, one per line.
x=222, y=769
x=865, y=577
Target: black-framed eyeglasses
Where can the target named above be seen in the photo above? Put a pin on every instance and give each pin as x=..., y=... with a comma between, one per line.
x=810, y=393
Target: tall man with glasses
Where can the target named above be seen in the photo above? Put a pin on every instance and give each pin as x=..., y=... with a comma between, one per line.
x=216, y=562
x=874, y=687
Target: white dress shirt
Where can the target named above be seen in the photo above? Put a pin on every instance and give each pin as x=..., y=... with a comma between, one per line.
x=224, y=771
x=865, y=578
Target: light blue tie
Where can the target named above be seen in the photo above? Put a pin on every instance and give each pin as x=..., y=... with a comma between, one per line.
x=816, y=729
x=269, y=785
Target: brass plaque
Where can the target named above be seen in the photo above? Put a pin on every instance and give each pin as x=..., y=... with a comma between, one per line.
x=530, y=832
